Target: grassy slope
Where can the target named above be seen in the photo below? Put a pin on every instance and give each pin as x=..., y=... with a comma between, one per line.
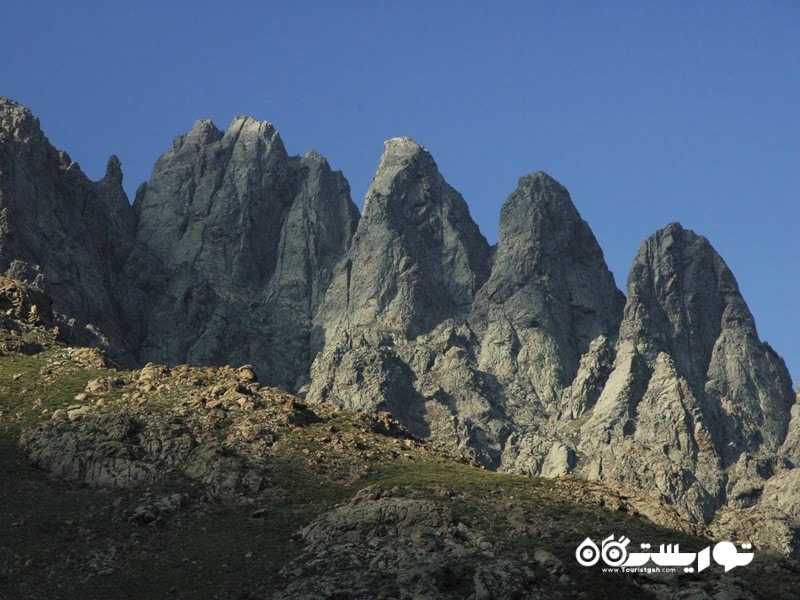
x=55, y=538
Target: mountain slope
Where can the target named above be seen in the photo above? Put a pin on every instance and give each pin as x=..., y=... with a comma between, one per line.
x=525, y=356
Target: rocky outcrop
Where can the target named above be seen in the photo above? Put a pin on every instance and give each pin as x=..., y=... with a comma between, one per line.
x=696, y=406
x=392, y=330
x=26, y=318
x=549, y=296
x=417, y=258
x=382, y=542
x=60, y=231
x=23, y=304
x=236, y=244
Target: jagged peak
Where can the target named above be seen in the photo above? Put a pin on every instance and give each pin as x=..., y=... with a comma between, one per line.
x=18, y=119
x=672, y=238
x=538, y=198
x=541, y=187
x=679, y=284
x=539, y=179
x=675, y=227
x=675, y=233
x=114, y=169
x=242, y=124
x=8, y=104
x=203, y=125
x=312, y=156
x=401, y=152
x=403, y=162
x=403, y=146
x=202, y=132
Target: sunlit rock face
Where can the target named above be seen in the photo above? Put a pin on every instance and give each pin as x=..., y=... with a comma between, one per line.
x=236, y=244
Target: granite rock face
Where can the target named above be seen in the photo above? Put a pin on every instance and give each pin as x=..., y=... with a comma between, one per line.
x=525, y=354
x=417, y=258
x=697, y=406
x=549, y=296
x=391, y=331
x=236, y=244
x=416, y=323
x=60, y=231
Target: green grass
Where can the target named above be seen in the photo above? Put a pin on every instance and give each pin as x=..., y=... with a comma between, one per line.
x=25, y=394
x=49, y=530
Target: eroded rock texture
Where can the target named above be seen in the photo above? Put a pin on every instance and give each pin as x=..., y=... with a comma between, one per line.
x=525, y=354
x=60, y=231
x=549, y=296
x=696, y=406
x=236, y=244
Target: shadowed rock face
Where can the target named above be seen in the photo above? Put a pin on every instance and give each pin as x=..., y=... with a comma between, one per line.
x=59, y=230
x=236, y=245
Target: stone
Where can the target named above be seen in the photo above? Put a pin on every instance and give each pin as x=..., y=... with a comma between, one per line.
x=693, y=392
x=550, y=294
x=381, y=541
x=78, y=413
x=61, y=232
x=235, y=246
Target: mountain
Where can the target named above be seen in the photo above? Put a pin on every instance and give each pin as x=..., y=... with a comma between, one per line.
x=549, y=296
x=525, y=356
x=68, y=235
x=696, y=406
x=392, y=327
x=235, y=246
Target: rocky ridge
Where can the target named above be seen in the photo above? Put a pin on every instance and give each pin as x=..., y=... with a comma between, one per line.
x=235, y=245
x=524, y=355
x=60, y=231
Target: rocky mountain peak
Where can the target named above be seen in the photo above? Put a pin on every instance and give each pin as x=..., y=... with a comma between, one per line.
x=550, y=292
x=114, y=170
x=399, y=151
x=690, y=377
x=254, y=134
x=203, y=132
x=404, y=165
x=417, y=256
x=232, y=231
x=314, y=156
x=17, y=121
x=681, y=296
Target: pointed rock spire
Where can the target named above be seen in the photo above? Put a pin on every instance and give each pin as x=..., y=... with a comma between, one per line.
x=694, y=393
x=57, y=223
x=391, y=332
x=550, y=292
x=417, y=258
x=114, y=170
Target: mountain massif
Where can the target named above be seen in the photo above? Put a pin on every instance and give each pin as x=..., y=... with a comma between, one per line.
x=524, y=355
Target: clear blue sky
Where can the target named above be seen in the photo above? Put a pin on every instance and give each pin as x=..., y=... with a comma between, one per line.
x=648, y=112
